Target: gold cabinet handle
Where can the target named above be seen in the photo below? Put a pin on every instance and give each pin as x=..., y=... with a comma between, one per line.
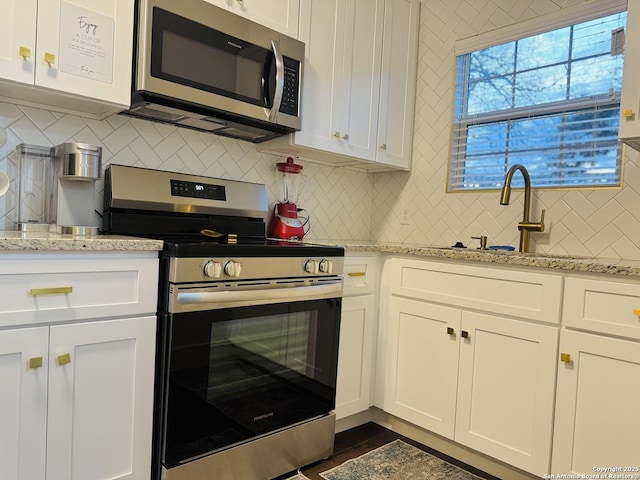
x=627, y=113
x=34, y=292
x=383, y=146
x=64, y=359
x=565, y=357
x=35, y=362
x=636, y=312
x=357, y=274
x=25, y=52
x=49, y=58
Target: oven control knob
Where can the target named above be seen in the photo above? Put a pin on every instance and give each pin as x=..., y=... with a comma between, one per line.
x=233, y=268
x=212, y=269
x=311, y=266
x=326, y=266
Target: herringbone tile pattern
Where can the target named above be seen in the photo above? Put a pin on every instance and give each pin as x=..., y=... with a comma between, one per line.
x=339, y=201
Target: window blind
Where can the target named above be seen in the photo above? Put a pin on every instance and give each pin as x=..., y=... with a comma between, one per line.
x=549, y=101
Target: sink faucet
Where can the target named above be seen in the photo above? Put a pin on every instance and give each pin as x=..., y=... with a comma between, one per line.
x=525, y=226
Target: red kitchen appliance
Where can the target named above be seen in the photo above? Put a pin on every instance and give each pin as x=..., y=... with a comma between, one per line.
x=285, y=223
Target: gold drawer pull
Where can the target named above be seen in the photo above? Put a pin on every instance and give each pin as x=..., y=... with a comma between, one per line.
x=35, y=362
x=34, y=292
x=49, y=58
x=636, y=312
x=357, y=274
x=64, y=359
x=565, y=357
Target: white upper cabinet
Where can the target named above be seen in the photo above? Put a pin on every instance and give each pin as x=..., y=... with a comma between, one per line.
x=279, y=15
x=629, y=129
x=358, y=84
x=72, y=57
x=398, y=84
x=344, y=43
x=17, y=40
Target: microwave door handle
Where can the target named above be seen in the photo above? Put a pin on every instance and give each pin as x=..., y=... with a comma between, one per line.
x=277, y=96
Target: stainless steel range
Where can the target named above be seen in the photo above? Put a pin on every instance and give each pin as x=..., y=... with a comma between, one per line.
x=247, y=328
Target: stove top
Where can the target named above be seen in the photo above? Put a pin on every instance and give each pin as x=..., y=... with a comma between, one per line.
x=247, y=248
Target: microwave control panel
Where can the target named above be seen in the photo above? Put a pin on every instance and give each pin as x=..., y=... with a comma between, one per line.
x=290, y=95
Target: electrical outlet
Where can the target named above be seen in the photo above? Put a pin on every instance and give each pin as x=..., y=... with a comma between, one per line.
x=405, y=219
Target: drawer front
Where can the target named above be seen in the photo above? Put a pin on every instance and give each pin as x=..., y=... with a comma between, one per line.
x=62, y=288
x=524, y=294
x=359, y=275
x=602, y=306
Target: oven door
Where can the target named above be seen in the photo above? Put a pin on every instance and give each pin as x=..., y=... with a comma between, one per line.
x=238, y=373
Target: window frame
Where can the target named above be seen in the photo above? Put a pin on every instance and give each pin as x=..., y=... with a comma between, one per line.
x=538, y=25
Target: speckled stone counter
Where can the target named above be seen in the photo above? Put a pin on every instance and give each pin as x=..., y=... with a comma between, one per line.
x=14, y=242
x=566, y=263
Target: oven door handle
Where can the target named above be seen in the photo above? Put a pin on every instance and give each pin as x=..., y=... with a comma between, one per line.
x=256, y=297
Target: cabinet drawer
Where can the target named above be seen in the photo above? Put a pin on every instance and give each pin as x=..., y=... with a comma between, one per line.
x=524, y=294
x=52, y=288
x=602, y=306
x=359, y=275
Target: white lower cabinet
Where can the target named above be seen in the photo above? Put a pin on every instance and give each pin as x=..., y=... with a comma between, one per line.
x=597, y=418
x=355, y=359
x=422, y=369
x=597, y=415
x=24, y=366
x=77, y=393
x=78, y=396
x=485, y=381
x=469, y=356
x=357, y=337
x=506, y=384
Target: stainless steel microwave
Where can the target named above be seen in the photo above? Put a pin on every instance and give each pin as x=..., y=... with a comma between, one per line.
x=202, y=67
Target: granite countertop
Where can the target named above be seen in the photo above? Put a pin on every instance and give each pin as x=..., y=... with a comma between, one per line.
x=14, y=241
x=622, y=267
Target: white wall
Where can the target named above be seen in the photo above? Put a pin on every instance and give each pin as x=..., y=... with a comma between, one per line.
x=584, y=222
x=339, y=201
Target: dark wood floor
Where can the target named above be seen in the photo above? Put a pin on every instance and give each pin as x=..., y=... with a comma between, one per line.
x=357, y=441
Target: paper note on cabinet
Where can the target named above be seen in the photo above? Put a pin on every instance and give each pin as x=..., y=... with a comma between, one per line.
x=86, y=43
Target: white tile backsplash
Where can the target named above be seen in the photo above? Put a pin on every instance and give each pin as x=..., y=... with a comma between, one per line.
x=338, y=200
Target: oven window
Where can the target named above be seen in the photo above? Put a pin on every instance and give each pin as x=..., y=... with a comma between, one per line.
x=239, y=373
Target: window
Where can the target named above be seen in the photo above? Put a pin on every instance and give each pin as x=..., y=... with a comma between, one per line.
x=549, y=101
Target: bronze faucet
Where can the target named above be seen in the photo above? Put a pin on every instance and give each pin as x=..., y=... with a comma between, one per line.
x=525, y=226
